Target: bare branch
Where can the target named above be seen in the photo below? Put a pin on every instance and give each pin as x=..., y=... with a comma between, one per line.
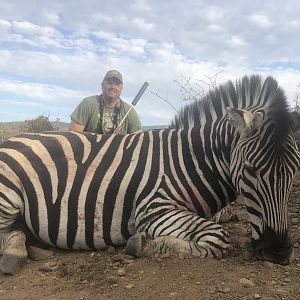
x=158, y=96
x=192, y=90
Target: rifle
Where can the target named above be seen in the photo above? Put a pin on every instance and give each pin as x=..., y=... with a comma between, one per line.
x=133, y=103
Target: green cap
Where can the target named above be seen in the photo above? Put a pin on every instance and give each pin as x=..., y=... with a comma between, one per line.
x=113, y=74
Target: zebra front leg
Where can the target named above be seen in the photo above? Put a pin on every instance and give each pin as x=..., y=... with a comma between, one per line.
x=179, y=232
x=13, y=251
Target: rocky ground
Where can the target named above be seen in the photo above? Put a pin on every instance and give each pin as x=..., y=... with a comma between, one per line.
x=113, y=275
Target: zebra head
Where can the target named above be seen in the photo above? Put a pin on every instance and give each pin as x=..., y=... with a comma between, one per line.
x=264, y=160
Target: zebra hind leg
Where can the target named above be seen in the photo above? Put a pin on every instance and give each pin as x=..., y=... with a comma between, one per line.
x=178, y=232
x=13, y=251
x=167, y=246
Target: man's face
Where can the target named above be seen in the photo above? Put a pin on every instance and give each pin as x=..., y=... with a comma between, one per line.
x=112, y=88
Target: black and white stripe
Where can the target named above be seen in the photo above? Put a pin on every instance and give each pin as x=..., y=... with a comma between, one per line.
x=86, y=191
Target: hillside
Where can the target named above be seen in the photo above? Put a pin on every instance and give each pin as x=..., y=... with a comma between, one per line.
x=64, y=126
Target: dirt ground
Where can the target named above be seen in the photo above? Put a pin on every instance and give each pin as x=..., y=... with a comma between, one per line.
x=114, y=275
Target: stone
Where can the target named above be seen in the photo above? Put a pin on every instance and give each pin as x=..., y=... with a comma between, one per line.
x=268, y=264
x=111, y=250
x=129, y=286
x=246, y=282
x=281, y=292
x=226, y=290
x=112, y=279
x=256, y=296
x=247, y=255
x=122, y=272
x=47, y=268
x=36, y=253
x=294, y=221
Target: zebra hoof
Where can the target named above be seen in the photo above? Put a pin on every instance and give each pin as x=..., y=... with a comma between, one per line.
x=10, y=264
x=136, y=244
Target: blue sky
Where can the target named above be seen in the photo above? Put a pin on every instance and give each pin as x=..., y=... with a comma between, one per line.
x=55, y=53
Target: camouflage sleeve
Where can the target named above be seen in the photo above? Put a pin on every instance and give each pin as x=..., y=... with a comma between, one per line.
x=134, y=123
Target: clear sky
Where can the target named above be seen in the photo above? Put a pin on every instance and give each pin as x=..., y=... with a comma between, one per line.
x=55, y=53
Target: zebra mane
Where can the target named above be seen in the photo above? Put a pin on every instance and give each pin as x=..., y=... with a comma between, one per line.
x=249, y=93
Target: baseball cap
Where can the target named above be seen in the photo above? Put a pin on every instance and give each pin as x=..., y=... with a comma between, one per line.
x=113, y=74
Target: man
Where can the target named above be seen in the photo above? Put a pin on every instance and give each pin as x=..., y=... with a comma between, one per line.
x=103, y=114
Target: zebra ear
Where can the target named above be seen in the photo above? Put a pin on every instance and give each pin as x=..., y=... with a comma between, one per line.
x=244, y=121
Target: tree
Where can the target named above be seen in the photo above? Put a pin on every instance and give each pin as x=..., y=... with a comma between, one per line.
x=297, y=98
x=6, y=132
x=40, y=124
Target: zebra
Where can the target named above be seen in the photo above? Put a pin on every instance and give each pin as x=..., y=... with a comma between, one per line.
x=156, y=192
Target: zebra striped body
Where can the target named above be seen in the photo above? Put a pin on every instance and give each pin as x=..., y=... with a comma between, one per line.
x=69, y=202
x=158, y=188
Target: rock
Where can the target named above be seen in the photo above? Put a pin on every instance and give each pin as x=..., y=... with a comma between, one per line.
x=92, y=254
x=112, y=279
x=246, y=282
x=129, y=261
x=116, y=265
x=63, y=271
x=256, y=296
x=294, y=221
x=36, y=253
x=247, y=255
x=122, y=272
x=173, y=294
x=118, y=258
x=226, y=290
x=127, y=256
x=129, y=286
x=47, y=268
x=268, y=264
x=281, y=292
x=111, y=250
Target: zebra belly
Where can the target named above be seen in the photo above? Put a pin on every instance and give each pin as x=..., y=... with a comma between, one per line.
x=75, y=226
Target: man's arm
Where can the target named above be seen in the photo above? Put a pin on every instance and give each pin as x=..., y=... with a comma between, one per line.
x=134, y=123
x=75, y=126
